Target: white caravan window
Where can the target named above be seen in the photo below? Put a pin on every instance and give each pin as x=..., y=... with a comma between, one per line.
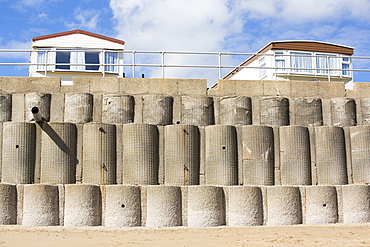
x=279, y=62
x=324, y=62
x=111, y=58
x=302, y=61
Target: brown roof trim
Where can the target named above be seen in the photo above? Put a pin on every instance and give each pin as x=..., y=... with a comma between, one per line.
x=79, y=31
x=299, y=45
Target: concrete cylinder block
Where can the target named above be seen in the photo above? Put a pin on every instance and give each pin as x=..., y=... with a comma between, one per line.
x=197, y=110
x=58, y=153
x=157, y=109
x=330, y=155
x=78, y=107
x=343, y=112
x=206, y=206
x=118, y=109
x=19, y=152
x=308, y=112
x=235, y=110
x=283, y=206
x=99, y=153
x=321, y=205
x=8, y=204
x=40, y=205
x=258, y=155
x=82, y=205
x=5, y=107
x=163, y=206
x=274, y=111
x=244, y=206
x=295, y=155
x=40, y=100
x=181, y=154
x=356, y=204
x=140, y=154
x=221, y=155
x=122, y=206
x=360, y=153
x=365, y=110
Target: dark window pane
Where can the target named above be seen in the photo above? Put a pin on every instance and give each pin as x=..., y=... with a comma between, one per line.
x=63, y=57
x=92, y=58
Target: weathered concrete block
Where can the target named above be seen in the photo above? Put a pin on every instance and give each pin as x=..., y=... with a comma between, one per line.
x=78, y=108
x=15, y=84
x=206, y=206
x=275, y=88
x=221, y=155
x=235, y=110
x=163, y=86
x=104, y=85
x=17, y=107
x=80, y=85
x=181, y=154
x=140, y=154
x=330, y=155
x=59, y=153
x=360, y=154
x=258, y=155
x=123, y=206
x=244, y=206
x=320, y=205
x=197, y=110
x=328, y=89
x=295, y=156
x=57, y=108
x=118, y=109
x=82, y=205
x=5, y=107
x=19, y=152
x=99, y=153
x=356, y=204
x=343, y=112
x=163, y=206
x=40, y=100
x=283, y=206
x=45, y=85
x=248, y=88
x=274, y=111
x=192, y=86
x=8, y=204
x=364, y=111
x=157, y=109
x=40, y=205
x=133, y=86
x=308, y=112
x=305, y=88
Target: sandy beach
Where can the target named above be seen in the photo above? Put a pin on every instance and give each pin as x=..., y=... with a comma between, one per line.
x=299, y=235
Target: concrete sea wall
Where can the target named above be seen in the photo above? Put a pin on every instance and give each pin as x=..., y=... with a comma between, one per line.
x=170, y=152
x=192, y=206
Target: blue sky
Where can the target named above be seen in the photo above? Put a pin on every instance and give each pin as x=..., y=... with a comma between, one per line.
x=190, y=25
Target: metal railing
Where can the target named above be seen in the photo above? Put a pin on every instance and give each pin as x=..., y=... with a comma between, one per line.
x=218, y=62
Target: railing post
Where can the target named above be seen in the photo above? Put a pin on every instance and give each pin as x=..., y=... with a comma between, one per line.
x=162, y=64
x=46, y=62
x=219, y=66
x=133, y=64
x=327, y=59
x=103, y=59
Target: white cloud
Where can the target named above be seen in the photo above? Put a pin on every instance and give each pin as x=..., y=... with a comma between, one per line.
x=231, y=25
x=15, y=45
x=85, y=19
